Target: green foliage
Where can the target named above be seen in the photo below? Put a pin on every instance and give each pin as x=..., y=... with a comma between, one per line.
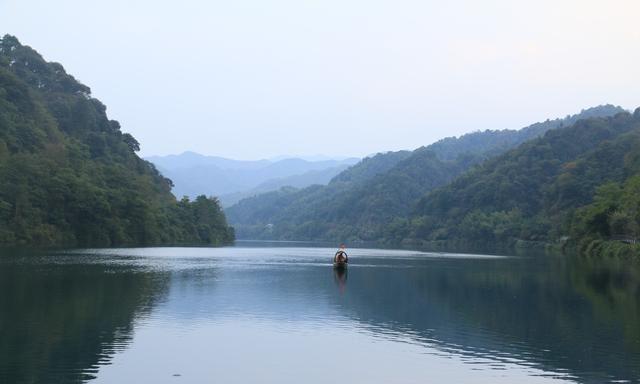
x=614, y=214
x=370, y=167
x=371, y=200
x=577, y=184
x=493, y=143
x=71, y=177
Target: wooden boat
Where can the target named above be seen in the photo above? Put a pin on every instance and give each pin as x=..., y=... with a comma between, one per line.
x=340, y=260
x=340, y=265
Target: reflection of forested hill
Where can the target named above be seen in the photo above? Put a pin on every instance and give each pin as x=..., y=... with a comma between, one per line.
x=545, y=318
x=562, y=315
x=58, y=321
x=567, y=315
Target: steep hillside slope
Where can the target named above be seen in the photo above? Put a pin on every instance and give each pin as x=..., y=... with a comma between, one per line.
x=572, y=184
x=69, y=176
x=360, y=203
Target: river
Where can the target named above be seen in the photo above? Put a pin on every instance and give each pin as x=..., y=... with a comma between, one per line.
x=254, y=313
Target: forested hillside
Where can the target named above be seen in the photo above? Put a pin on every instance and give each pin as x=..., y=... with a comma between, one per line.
x=575, y=186
x=71, y=177
x=362, y=202
x=314, y=177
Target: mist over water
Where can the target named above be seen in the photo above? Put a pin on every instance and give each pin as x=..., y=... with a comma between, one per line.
x=253, y=313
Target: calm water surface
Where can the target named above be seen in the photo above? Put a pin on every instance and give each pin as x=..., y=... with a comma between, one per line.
x=250, y=314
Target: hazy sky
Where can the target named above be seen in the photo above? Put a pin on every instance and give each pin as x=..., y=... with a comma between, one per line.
x=253, y=79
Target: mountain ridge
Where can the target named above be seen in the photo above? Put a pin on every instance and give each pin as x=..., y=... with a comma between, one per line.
x=557, y=188
x=361, y=210
x=194, y=174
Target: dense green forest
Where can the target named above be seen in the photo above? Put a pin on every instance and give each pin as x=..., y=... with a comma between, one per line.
x=372, y=200
x=576, y=186
x=71, y=177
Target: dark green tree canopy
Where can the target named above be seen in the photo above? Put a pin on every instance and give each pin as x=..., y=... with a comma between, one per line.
x=369, y=200
x=575, y=184
x=71, y=177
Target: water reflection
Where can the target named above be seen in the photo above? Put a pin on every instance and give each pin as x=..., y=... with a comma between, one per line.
x=340, y=276
x=569, y=317
x=61, y=318
x=279, y=314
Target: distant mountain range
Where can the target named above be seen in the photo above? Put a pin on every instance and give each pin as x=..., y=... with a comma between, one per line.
x=231, y=180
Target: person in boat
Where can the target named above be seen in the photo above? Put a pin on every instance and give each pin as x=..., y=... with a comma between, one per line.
x=341, y=255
